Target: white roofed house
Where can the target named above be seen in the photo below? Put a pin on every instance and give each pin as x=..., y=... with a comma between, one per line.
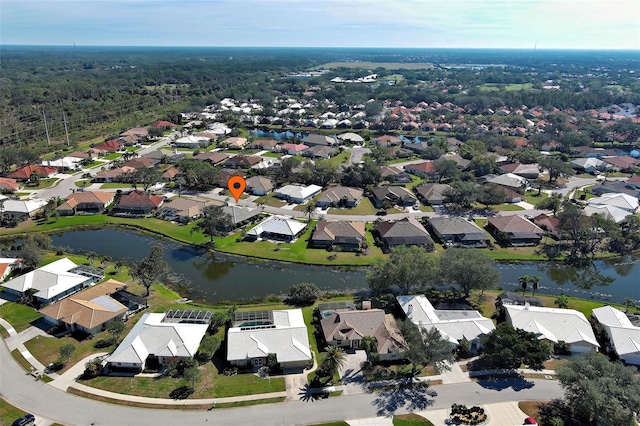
x=279, y=228
x=554, y=325
x=624, y=337
x=8, y=265
x=54, y=281
x=454, y=325
x=298, y=193
x=160, y=339
x=255, y=335
x=614, y=206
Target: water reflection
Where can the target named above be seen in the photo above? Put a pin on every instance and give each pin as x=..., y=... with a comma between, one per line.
x=212, y=268
x=586, y=277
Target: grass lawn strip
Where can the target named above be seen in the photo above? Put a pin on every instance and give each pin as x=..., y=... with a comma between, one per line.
x=19, y=316
x=21, y=359
x=410, y=419
x=100, y=398
x=9, y=413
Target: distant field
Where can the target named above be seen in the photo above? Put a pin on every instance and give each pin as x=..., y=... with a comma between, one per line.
x=374, y=65
x=494, y=87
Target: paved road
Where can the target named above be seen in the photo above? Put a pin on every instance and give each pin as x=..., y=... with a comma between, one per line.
x=357, y=153
x=21, y=390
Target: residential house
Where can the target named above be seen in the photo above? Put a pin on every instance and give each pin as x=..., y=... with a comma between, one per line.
x=423, y=169
x=351, y=138
x=259, y=185
x=137, y=203
x=108, y=146
x=8, y=186
x=54, y=281
x=64, y=163
x=113, y=175
x=527, y=171
x=613, y=206
x=554, y=325
x=9, y=265
x=394, y=175
x=347, y=235
x=340, y=196
x=623, y=163
x=235, y=143
x=160, y=339
x=404, y=232
x=280, y=228
x=253, y=336
x=623, y=336
x=171, y=173
x=617, y=187
x=320, y=151
x=515, y=230
x=387, y=140
x=432, y=193
x=242, y=161
x=23, y=208
x=315, y=139
x=458, y=232
x=226, y=174
x=241, y=215
x=510, y=180
x=25, y=173
x=213, y=157
x=86, y=202
x=139, y=133
x=453, y=325
x=461, y=163
x=264, y=144
x=548, y=223
x=165, y=125
x=182, y=210
x=396, y=195
x=192, y=142
x=590, y=165
x=89, y=310
x=510, y=194
x=141, y=163
x=293, y=148
x=347, y=328
x=298, y=193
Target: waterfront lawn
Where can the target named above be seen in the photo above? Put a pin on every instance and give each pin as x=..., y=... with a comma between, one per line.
x=212, y=384
x=19, y=316
x=297, y=251
x=9, y=413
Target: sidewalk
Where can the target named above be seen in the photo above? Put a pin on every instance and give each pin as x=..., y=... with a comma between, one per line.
x=499, y=414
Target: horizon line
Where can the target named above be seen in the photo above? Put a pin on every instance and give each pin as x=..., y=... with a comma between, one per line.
x=75, y=45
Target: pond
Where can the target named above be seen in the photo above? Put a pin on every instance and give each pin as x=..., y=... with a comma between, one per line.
x=215, y=277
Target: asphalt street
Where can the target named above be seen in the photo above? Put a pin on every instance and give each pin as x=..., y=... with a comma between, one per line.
x=20, y=389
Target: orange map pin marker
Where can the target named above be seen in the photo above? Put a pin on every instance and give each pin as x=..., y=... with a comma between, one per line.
x=236, y=185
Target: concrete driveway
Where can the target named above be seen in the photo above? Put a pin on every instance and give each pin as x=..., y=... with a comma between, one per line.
x=357, y=153
x=351, y=373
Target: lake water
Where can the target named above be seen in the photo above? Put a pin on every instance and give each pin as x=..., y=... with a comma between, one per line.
x=217, y=277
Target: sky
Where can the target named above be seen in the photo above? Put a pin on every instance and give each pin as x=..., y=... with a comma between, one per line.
x=547, y=24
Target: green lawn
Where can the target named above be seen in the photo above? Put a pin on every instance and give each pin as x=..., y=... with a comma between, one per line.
x=506, y=207
x=410, y=419
x=343, y=157
x=364, y=207
x=9, y=413
x=270, y=200
x=532, y=197
x=494, y=87
x=93, y=164
x=42, y=184
x=272, y=154
x=112, y=185
x=82, y=183
x=19, y=316
x=112, y=156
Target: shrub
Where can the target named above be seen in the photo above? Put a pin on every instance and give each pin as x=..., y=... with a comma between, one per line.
x=304, y=294
x=183, y=392
x=105, y=343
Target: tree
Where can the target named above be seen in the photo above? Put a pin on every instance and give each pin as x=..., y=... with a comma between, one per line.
x=523, y=281
x=67, y=350
x=146, y=176
x=215, y=221
x=507, y=347
x=208, y=347
x=309, y=210
x=92, y=368
x=491, y=195
x=116, y=328
x=562, y=301
x=599, y=391
x=447, y=169
x=31, y=253
x=304, y=293
x=334, y=359
x=552, y=203
x=408, y=269
x=470, y=269
x=369, y=344
x=556, y=167
x=534, y=280
x=461, y=194
x=192, y=375
x=150, y=269
x=582, y=232
x=424, y=347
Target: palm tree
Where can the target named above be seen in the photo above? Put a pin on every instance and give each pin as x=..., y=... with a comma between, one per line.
x=334, y=359
x=370, y=345
x=309, y=210
x=523, y=281
x=562, y=301
x=534, y=280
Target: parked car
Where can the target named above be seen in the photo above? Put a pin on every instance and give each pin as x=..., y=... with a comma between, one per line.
x=28, y=420
x=381, y=213
x=530, y=421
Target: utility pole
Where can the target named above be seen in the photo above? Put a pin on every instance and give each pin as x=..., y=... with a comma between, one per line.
x=64, y=118
x=46, y=130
